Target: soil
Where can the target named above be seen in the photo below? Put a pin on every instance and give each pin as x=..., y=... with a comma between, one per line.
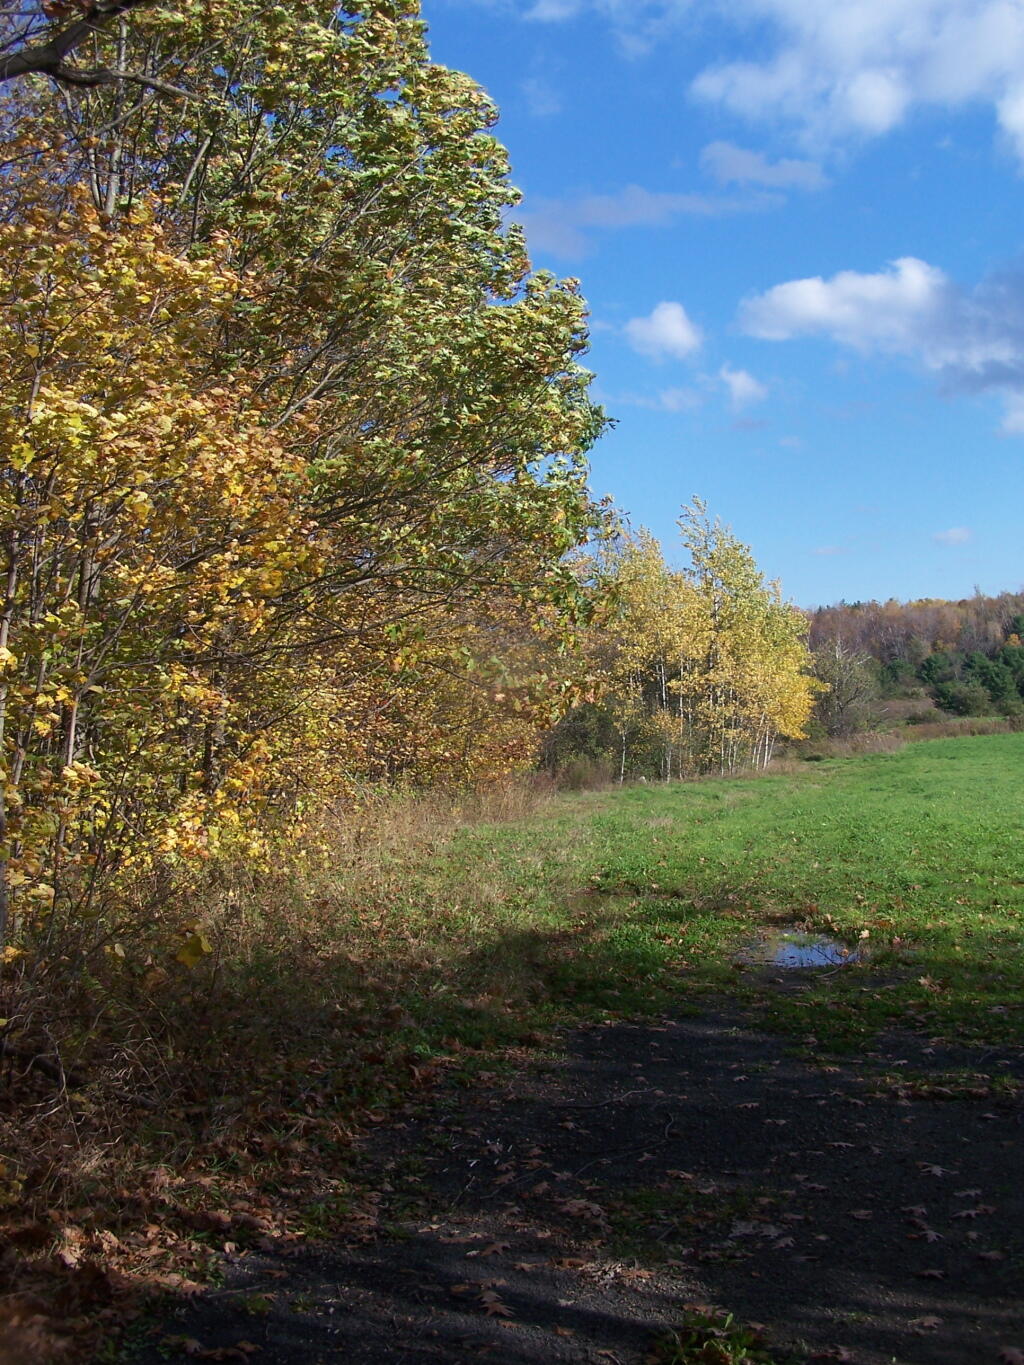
x=578, y=1211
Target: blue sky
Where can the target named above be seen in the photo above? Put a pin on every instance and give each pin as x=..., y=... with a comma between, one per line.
x=799, y=225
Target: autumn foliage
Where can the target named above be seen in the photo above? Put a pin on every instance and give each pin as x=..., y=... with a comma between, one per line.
x=293, y=512
x=296, y=486
x=700, y=669
x=295, y=446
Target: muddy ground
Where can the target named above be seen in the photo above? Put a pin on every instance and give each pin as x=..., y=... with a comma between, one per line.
x=864, y=1210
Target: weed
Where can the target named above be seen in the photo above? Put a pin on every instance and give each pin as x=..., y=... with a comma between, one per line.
x=709, y=1336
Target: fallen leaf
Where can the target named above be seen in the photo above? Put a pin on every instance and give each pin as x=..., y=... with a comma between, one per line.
x=494, y=1306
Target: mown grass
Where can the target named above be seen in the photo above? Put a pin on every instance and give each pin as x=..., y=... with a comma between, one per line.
x=634, y=898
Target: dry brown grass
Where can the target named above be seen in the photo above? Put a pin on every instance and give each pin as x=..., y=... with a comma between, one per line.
x=890, y=741
x=171, y=1103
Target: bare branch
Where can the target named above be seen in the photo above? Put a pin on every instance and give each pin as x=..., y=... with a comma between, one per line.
x=50, y=58
x=105, y=76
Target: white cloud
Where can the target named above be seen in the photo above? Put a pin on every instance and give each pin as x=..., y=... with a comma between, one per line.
x=561, y=226
x=634, y=206
x=972, y=340
x=1013, y=417
x=837, y=70
x=889, y=310
x=732, y=165
x=743, y=387
x=664, y=400
x=554, y=11
x=859, y=67
x=956, y=535
x=666, y=331
x=678, y=400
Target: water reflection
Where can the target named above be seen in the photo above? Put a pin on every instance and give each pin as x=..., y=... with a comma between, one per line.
x=789, y=948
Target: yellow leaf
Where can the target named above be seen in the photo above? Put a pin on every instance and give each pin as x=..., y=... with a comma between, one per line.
x=193, y=950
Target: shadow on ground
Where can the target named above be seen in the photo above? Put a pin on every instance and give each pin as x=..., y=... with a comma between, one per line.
x=573, y=1214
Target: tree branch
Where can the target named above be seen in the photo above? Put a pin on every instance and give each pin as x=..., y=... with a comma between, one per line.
x=49, y=58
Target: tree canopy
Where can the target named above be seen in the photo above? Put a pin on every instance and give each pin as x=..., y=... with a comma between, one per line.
x=293, y=430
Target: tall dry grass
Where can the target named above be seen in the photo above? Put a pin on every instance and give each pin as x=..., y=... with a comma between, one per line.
x=890, y=741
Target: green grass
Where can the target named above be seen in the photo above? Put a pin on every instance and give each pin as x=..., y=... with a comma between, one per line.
x=430, y=942
x=633, y=898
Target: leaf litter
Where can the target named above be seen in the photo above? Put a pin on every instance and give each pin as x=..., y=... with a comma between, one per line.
x=596, y=1265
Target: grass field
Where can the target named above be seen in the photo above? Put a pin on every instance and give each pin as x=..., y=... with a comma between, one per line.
x=432, y=941
x=436, y=942
x=633, y=898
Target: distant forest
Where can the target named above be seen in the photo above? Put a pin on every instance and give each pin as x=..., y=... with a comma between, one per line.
x=967, y=657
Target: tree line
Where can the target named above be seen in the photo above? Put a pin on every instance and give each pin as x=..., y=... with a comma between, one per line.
x=700, y=669
x=294, y=487
x=965, y=656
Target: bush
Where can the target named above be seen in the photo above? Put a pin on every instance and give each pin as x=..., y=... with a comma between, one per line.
x=963, y=698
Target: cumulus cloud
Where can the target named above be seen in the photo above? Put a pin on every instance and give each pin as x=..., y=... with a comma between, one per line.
x=956, y=535
x=892, y=310
x=666, y=331
x=857, y=69
x=732, y=165
x=743, y=387
x=562, y=226
x=972, y=340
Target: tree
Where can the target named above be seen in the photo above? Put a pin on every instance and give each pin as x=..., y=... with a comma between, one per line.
x=39, y=38
x=748, y=680
x=699, y=669
x=852, y=688
x=291, y=431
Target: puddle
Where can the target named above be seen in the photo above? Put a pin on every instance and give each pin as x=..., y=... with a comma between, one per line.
x=790, y=948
